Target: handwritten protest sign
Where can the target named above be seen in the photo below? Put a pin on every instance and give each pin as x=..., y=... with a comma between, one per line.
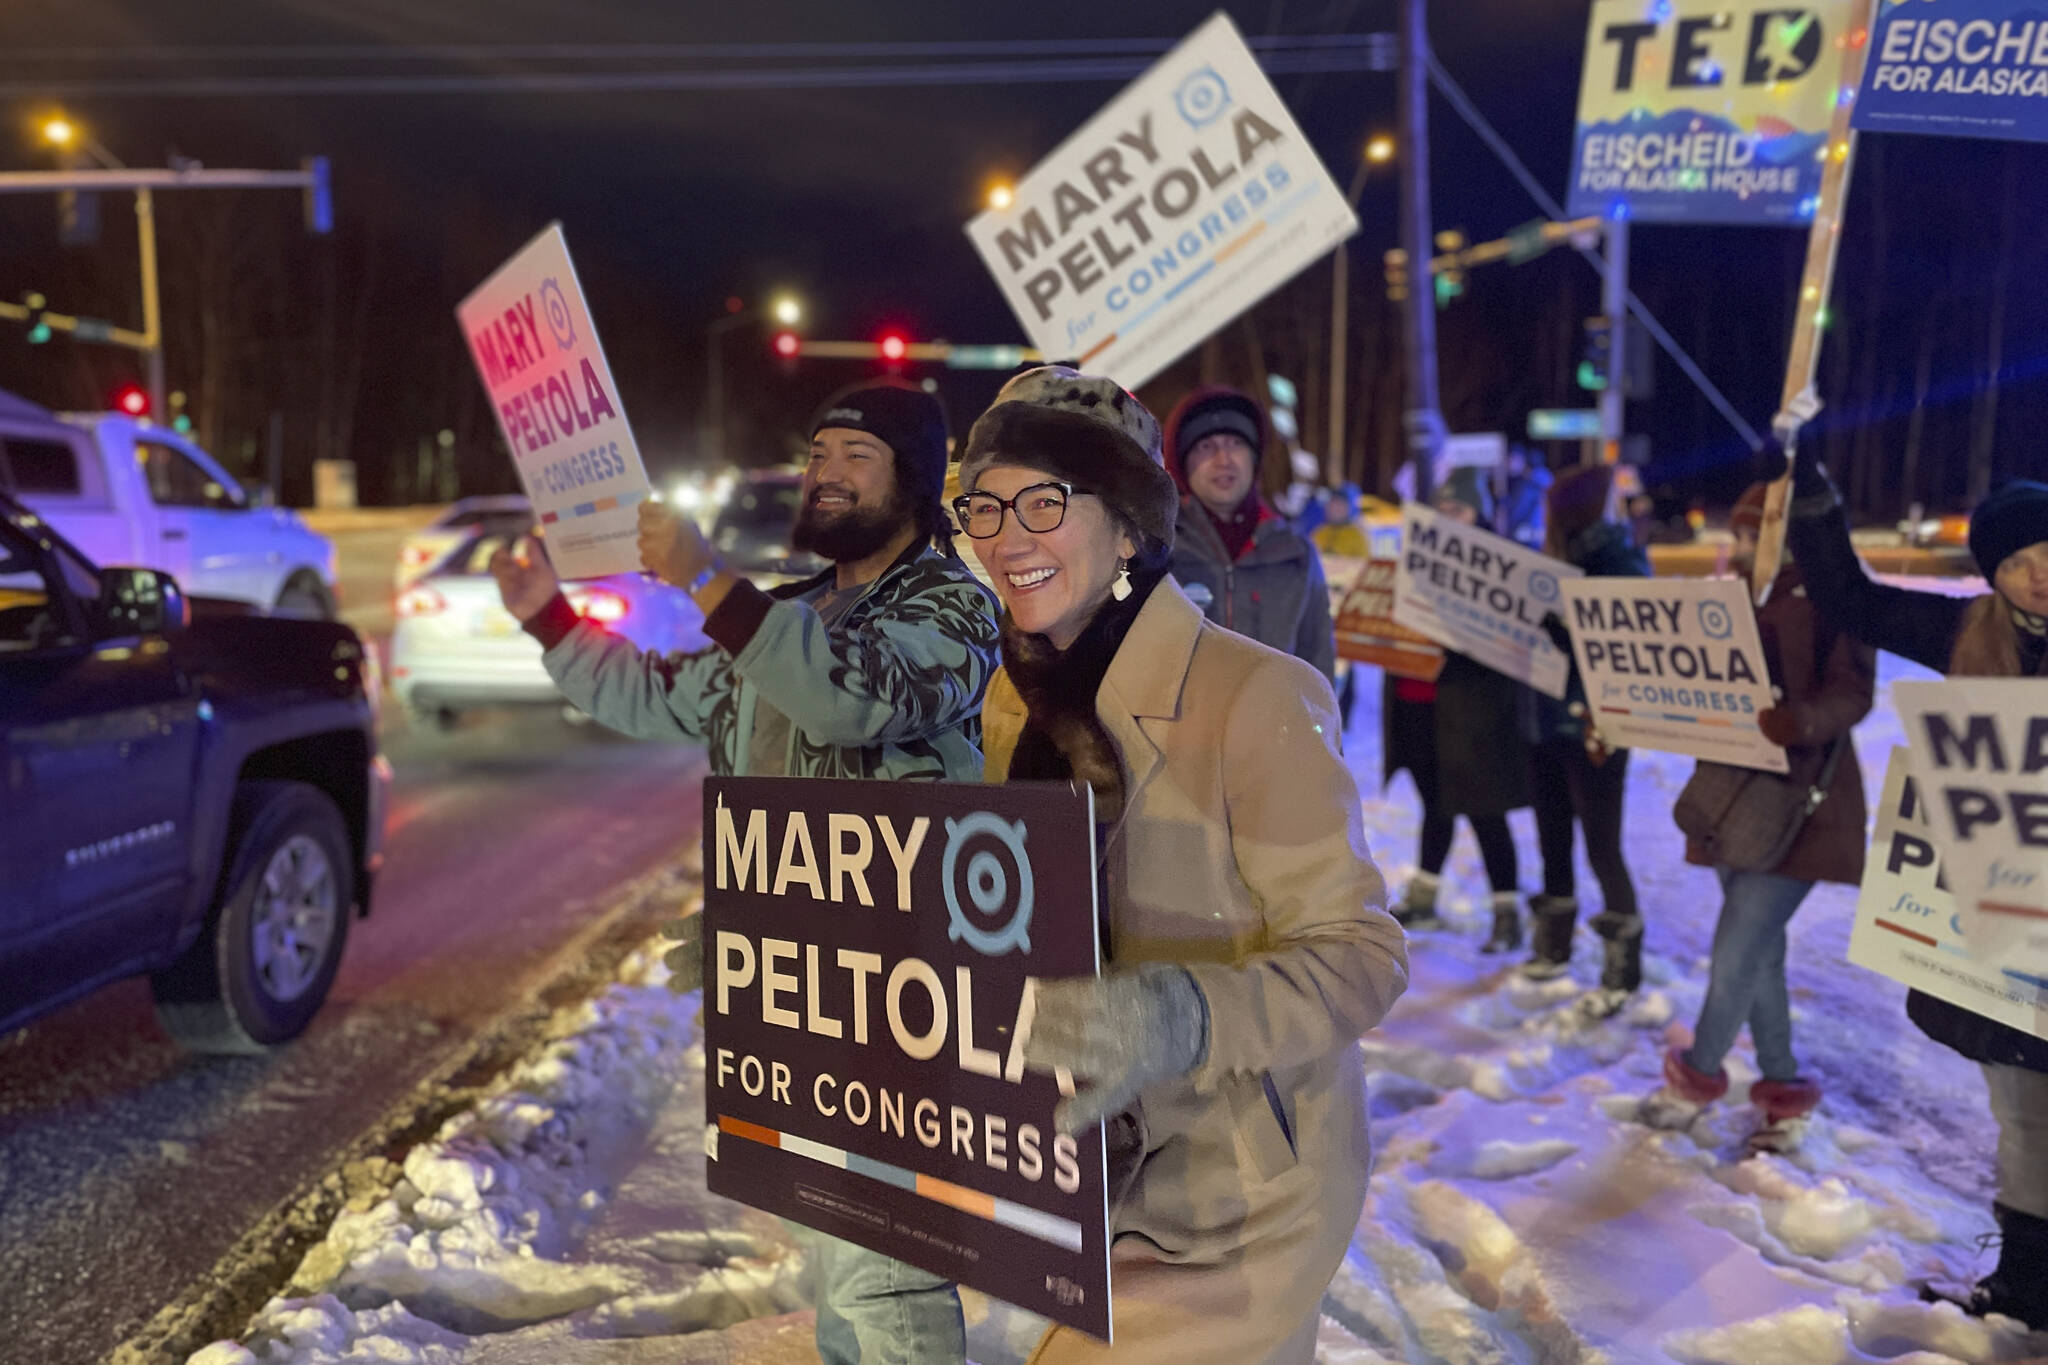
x=1367, y=632
x=558, y=408
x=1980, y=756
x=1481, y=595
x=1673, y=664
x=872, y=953
x=1187, y=199
x=1907, y=926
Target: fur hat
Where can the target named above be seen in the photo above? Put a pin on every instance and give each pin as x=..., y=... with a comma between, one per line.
x=2008, y=521
x=1749, y=509
x=1086, y=430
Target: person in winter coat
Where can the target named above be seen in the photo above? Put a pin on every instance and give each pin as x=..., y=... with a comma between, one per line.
x=2003, y=633
x=875, y=669
x=1825, y=682
x=1572, y=776
x=1247, y=946
x=1233, y=555
x=1525, y=485
x=1458, y=739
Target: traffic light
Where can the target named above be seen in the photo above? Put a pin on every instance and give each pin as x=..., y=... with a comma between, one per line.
x=1596, y=358
x=1449, y=284
x=132, y=399
x=894, y=347
x=1396, y=266
x=787, y=345
x=38, y=329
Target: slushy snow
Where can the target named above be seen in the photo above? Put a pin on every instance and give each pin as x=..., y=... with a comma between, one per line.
x=1519, y=1213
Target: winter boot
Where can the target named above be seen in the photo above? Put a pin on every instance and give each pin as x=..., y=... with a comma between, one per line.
x=1683, y=1095
x=1787, y=1107
x=1622, y=970
x=1507, y=924
x=2019, y=1287
x=1417, y=909
x=1553, y=920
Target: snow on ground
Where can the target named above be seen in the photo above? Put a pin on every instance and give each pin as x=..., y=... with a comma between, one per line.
x=1518, y=1213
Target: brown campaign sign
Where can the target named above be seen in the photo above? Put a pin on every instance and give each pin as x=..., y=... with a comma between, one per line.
x=872, y=953
x=1367, y=632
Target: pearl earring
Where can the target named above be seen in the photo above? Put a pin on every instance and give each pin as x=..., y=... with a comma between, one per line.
x=1120, y=586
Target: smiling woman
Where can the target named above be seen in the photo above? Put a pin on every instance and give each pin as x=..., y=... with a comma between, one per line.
x=1243, y=920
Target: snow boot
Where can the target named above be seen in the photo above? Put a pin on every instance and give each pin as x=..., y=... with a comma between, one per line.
x=2019, y=1287
x=1553, y=920
x=1417, y=909
x=1683, y=1095
x=1622, y=969
x=1507, y=924
x=1787, y=1108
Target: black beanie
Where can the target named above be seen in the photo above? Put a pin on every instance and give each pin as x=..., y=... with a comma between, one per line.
x=2008, y=521
x=1207, y=412
x=908, y=420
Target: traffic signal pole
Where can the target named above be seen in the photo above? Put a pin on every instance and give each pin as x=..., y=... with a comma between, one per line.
x=311, y=178
x=1614, y=303
x=1423, y=420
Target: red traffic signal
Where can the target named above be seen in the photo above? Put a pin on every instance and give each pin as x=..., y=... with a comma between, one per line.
x=894, y=347
x=132, y=399
x=786, y=345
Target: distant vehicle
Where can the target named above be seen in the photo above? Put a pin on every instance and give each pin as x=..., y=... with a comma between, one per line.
x=752, y=531
x=426, y=547
x=193, y=791
x=456, y=648
x=129, y=492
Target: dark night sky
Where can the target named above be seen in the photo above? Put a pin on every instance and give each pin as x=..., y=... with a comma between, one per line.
x=854, y=198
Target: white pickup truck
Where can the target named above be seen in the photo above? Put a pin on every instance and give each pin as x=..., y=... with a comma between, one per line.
x=131, y=493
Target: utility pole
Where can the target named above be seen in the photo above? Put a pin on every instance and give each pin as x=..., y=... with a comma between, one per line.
x=1614, y=303
x=1424, y=422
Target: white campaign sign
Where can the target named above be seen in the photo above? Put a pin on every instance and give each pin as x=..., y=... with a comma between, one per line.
x=1673, y=664
x=1980, y=754
x=1907, y=926
x=1187, y=199
x=1481, y=595
x=531, y=339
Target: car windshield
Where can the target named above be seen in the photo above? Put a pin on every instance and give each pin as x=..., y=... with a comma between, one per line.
x=757, y=507
x=472, y=558
x=470, y=518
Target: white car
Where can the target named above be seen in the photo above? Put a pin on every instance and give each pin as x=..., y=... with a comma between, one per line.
x=456, y=648
x=430, y=544
x=131, y=493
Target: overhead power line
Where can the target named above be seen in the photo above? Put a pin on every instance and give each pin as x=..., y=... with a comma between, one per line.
x=1065, y=70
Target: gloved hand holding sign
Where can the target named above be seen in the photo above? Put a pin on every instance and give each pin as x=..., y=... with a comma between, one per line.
x=1117, y=1035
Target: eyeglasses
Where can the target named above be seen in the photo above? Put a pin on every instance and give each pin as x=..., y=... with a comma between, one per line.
x=1040, y=509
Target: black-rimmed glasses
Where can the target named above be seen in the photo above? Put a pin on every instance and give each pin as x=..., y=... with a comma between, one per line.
x=1039, y=508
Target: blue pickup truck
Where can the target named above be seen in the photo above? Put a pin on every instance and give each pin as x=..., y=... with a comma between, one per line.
x=189, y=789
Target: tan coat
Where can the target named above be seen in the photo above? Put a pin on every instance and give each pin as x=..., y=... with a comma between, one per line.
x=1242, y=854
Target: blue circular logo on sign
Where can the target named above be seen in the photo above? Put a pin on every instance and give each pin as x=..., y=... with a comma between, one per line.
x=560, y=320
x=1543, y=586
x=1201, y=97
x=1716, y=621
x=994, y=920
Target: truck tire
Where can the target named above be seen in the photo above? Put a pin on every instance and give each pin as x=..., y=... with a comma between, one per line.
x=259, y=972
x=305, y=595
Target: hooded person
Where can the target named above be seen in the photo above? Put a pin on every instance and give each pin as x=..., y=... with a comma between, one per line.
x=1573, y=777
x=873, y=669
x=1235, y=557
x=1458, y=740
x=2001, y=633
x=1246, y=944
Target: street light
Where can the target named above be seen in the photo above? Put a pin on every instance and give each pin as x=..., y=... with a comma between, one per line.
x=61, y=132
x=1001, y=195
x=1379, y=151
x=786, y=309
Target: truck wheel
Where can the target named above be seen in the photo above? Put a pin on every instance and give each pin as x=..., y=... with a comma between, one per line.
x=305, y=595
x=258, y=974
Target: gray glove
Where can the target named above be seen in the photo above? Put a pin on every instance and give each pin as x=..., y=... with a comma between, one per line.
x=685, y=961
x=1117, y=1034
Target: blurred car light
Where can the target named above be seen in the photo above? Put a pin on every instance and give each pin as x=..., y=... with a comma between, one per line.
x=421, y=601
x=600, y=605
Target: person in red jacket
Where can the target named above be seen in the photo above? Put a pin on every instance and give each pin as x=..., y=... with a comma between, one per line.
x=1826, y=681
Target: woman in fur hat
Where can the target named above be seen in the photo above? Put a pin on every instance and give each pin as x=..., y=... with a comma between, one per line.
x=1246, y=940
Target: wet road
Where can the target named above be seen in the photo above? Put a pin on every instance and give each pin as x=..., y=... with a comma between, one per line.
x=127, y=1167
